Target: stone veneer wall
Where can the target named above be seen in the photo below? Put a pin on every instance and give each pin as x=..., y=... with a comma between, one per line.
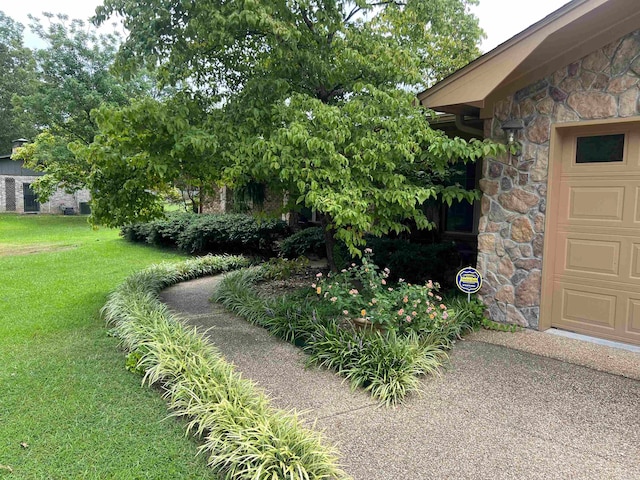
x=58, y=200
x=601, y=85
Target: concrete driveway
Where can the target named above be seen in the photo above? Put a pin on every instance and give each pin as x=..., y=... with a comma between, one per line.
x=495, y=413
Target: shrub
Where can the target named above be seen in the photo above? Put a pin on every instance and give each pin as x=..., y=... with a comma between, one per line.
x=280, y=268
x=415, y=262
x=244, y=437
x=198, y=234
x=309, y=241
x=232, y=233
x=362, y=291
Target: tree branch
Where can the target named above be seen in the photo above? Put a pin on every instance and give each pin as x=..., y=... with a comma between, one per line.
x=306, y=19
x=354, y=10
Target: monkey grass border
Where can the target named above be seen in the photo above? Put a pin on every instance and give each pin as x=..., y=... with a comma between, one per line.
x=243, y=436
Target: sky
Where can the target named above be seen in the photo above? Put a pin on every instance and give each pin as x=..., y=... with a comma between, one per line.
x=500, y=19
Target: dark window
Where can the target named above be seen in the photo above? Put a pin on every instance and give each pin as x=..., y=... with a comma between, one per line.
x=459, y=216
x=600, y=148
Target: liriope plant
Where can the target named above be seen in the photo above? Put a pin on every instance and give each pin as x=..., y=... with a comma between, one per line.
x=243, y=436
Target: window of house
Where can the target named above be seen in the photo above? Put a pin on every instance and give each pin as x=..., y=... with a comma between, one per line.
x=600, y=148
x=460, y=217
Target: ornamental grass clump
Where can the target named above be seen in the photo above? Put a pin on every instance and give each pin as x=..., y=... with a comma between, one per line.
x=387, y=365
x=362, y=292
x=243, y=436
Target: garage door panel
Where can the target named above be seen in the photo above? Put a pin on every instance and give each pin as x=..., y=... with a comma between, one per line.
x=635, y=261
x=596, y=258
x=633, y=316
x=596, y=203
x=593, y=256
x=635, y=205
x=575, y=304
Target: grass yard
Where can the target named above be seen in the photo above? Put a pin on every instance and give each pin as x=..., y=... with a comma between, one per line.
x=68, y=408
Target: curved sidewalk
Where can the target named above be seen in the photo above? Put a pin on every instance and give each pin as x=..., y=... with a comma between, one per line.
x=494, y=413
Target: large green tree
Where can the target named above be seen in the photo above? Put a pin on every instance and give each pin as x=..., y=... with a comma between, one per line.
x=73, y=77
x=17, y=70
x=313, y=97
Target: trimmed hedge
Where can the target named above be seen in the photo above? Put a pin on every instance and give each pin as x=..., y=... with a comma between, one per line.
x=244, y=437
x=200, y=234
x=309, y=241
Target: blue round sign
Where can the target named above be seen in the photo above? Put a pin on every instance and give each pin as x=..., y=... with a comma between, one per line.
x=469, y=280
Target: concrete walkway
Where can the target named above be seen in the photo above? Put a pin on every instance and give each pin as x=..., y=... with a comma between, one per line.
x=495, y=413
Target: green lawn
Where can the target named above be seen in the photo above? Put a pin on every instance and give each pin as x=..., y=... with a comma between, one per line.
x=64, y=392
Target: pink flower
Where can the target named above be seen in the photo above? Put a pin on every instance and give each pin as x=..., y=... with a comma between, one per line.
x=414, y=313
x=319, y=274
x=400, y=280
x=445, y=315
x=438, y=297
x=429, y=284
x=313, y=285
x=345, y=312
x=368, y=250
x=333, y=299
x=408, y=318
x=344, y=270
x=401, y=312
x=443, y=306
x=430, y=294
x=386, y=270
x=390, y=289
x=374, y=301
x=383, y=281
x=353, y=291
x=405, y=299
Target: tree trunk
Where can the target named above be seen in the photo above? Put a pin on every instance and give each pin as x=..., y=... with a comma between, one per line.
x=329, y=240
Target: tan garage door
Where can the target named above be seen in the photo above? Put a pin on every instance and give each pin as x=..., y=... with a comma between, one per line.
x=596, y=241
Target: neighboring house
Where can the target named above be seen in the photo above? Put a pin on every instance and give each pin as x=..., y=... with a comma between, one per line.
x=16, y=194
x=559, y=225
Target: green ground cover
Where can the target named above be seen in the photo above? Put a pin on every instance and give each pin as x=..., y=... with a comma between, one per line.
x=64, y=392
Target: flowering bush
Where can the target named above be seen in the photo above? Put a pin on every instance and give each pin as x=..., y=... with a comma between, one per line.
x=362, y=291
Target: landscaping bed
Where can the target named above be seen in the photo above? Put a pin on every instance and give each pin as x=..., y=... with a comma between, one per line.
x=407, y=333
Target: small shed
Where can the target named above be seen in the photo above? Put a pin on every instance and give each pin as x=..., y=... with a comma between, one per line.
x=559, y=222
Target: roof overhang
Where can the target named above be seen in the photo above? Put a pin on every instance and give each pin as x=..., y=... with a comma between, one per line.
x=566, y=35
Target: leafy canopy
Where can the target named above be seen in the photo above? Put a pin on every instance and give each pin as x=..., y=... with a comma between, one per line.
x=72, y=79
x=312, y=97
x=16, y=65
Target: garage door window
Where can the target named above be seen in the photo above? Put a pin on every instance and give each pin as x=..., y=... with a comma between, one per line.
x=600, y=148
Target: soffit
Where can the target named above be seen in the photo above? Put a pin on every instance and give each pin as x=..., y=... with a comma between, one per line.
x=566, y=35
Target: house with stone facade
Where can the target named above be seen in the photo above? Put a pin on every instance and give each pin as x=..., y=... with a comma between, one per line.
x=17, y=196
x=558, y=226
